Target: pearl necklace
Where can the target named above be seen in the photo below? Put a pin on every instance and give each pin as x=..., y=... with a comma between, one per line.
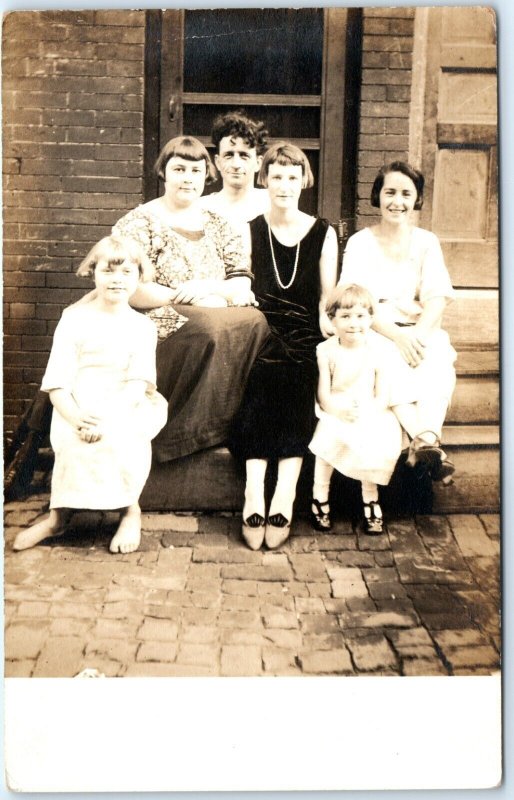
x=277, y=274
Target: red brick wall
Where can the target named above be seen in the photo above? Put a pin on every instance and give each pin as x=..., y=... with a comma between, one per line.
x=73, y=136
x=385, y=97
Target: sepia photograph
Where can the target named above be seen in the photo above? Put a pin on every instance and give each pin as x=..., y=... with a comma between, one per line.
x=251, y=367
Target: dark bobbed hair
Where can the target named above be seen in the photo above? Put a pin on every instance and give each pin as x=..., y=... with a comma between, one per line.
x=237, y=125
x=190, y=149
x=406, y=169
x=347, y=295
x=286, y=154
x=117, y=249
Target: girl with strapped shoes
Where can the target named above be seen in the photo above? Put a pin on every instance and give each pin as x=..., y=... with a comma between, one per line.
x=403, y=267
x=294, y=261
x=357, y=433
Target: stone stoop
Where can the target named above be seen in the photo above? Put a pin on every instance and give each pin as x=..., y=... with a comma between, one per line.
x=212, y=481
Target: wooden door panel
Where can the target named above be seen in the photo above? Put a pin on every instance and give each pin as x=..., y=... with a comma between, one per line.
x=460, y=194
x=459, y=156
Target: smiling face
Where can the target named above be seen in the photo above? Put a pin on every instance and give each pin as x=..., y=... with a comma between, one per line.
x=351, y=325
x=284, y=182
x=237, y=162
x=397, y=198
x=185, y=180
x=116, y=280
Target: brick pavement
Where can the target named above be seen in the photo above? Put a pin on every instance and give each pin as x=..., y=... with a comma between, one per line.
x=422, y=599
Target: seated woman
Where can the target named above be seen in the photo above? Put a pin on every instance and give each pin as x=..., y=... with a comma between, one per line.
x=200, y=268
x=403, y=267
x=294, y=258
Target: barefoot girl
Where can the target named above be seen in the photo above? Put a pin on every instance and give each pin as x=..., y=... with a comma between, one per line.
x=101, y=381
x=357, y=433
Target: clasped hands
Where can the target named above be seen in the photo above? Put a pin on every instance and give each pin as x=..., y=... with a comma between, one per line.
x=198, y=292
x=411, y=344
x=89, y=427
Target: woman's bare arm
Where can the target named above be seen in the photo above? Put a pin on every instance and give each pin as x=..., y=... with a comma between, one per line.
x=328, y=277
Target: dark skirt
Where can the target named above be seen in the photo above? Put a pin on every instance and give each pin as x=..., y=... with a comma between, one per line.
x=202, y=370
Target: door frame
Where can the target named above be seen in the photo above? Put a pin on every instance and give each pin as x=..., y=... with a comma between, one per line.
x=338, y=102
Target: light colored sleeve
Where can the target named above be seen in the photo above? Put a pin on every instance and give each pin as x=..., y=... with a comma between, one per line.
x=142, y=360
x=435, y=280
x=231, y=248
x=62, y=363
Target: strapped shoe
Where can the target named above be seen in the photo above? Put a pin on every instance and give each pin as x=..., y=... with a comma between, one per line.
x=373, y=522
x=320, y=520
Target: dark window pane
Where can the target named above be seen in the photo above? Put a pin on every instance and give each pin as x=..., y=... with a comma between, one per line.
x=254, y=51
x=281, y=122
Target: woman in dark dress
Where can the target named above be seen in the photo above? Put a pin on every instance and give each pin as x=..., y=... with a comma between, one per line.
x=294, y=261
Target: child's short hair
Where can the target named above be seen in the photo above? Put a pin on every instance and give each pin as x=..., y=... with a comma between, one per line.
x=190, y=149
x=237, y=125
x=348, y=295
x=286, y=154
x=117, y=249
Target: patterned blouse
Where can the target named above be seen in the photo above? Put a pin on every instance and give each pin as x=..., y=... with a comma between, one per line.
x=216, y=252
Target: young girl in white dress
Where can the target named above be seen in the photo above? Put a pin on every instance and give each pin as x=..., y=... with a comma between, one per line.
x=357, y=434
x=106, y=410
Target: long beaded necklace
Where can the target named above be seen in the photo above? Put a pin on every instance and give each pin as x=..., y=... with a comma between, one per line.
x=275, y=267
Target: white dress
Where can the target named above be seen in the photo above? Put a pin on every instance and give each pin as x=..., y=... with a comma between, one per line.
x=93, y=356
x=401, y=289
x=368, y=448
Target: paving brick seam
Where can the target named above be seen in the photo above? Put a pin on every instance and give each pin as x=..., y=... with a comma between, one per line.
x=305, y=582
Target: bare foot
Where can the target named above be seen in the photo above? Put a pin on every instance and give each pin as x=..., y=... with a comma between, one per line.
x=127, y=537
x=53, y=525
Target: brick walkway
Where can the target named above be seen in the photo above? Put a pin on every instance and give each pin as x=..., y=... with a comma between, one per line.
x=422, y=599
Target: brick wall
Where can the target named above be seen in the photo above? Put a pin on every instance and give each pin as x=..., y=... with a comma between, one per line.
x=73, y=137
x=385, y=97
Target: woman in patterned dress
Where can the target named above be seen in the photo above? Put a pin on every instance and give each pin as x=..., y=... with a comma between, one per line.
x=201, y=302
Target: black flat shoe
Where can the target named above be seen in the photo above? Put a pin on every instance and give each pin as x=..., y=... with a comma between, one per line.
x=253, y=531
x=320, y=520
x=373, y=522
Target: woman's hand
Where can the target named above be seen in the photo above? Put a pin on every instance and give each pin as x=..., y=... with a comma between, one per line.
x=191, y=292
x=349, y=414
x=88, y=427
x=411, y=345
x=238, y=292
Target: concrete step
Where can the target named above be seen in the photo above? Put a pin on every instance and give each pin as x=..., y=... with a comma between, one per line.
x=211, y=480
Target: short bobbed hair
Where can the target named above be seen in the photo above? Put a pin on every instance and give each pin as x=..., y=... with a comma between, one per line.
x=116, y=249
x=347, y=295
x=190, y=149
x=406, y=169
x=238, y=126
x=286, y=154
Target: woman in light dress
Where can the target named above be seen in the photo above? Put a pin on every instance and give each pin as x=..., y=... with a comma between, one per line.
x=403, y=266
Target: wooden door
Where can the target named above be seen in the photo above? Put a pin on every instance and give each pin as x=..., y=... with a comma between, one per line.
x=297, y=70
x=460, y=164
